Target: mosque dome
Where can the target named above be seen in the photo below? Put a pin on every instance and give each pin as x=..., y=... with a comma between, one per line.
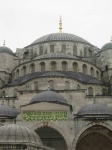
x=4, y=49
x=94, y=110
x=8, y=112
x=60, y=37
x=14, y=133
x=107, y=46
x=48, y=96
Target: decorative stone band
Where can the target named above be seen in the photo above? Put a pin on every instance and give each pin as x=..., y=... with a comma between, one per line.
x=45, y=116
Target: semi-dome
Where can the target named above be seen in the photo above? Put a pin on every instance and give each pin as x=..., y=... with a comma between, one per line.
x=60, y=37
x=99, y=110
x=14, y=133
x=107, y=46
x=8, y=111
x=4, y=49
x=49, y=96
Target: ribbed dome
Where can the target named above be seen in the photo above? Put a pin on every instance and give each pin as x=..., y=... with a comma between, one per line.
x=18, y=134
x=95, y=110
x=48, y=96
x=8, y=111
x=107, y=46
x=4, y=49
x=60, y=37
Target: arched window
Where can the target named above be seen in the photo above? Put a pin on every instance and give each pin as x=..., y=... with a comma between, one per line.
x=104, y=92
x=36, y=86
x=32, y=68
x=97, y=74
x=92, y=71
x=75, y=50
x=42, y=66
x=17, y=73
x=84, y=69
x=63, y=49
x=64, y=66
x=67, y=85
x=75, y=67
x=78, y=86
x=41, y=50
x=15, y=92
x=85, y=52
x=24, y=70
x=51, y=85
x=53, y=66
x=51, y=48
x=90, y=91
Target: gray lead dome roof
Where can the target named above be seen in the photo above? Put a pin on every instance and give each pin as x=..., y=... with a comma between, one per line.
x=60, y=37
x=8, y=111
x=95, y=110
x=18, y=134
x=107, y=46
x=4, y=49
x=48, y=96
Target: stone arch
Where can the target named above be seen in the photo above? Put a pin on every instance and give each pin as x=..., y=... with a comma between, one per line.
x=64, y=66
x=63, y=49
x=84, y=69
x=85, y=51
x=23, y=70
x=57, y=128
x=32, y=68
x=75, y=66
x=75, y=50
x=51, y=84
x=90, y=91
x=42, y=66
x=103, y=124
x=15, y=92
x=53, y=66
x=67, y=85
x=41, y=50
x=51, y=48
x=92, y=71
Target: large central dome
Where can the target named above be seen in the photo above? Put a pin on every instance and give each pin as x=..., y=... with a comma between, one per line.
x=60, y=37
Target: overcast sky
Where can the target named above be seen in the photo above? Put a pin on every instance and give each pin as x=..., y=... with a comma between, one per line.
x=24, y=21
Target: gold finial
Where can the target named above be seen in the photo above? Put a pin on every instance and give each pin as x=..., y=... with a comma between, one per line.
x=111, y=39
x=4, y=43
x=60, y=25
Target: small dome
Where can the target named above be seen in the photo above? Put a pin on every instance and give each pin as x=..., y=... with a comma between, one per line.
x=48, y=96
x=60, y=37
x=107, y=46
x=4, y=49
x=8, y=111
x=18, y=134
x=95, y=110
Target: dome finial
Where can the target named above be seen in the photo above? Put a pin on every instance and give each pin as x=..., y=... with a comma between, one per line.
x=111, y=39
x=60, y=25
x=4, y=43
